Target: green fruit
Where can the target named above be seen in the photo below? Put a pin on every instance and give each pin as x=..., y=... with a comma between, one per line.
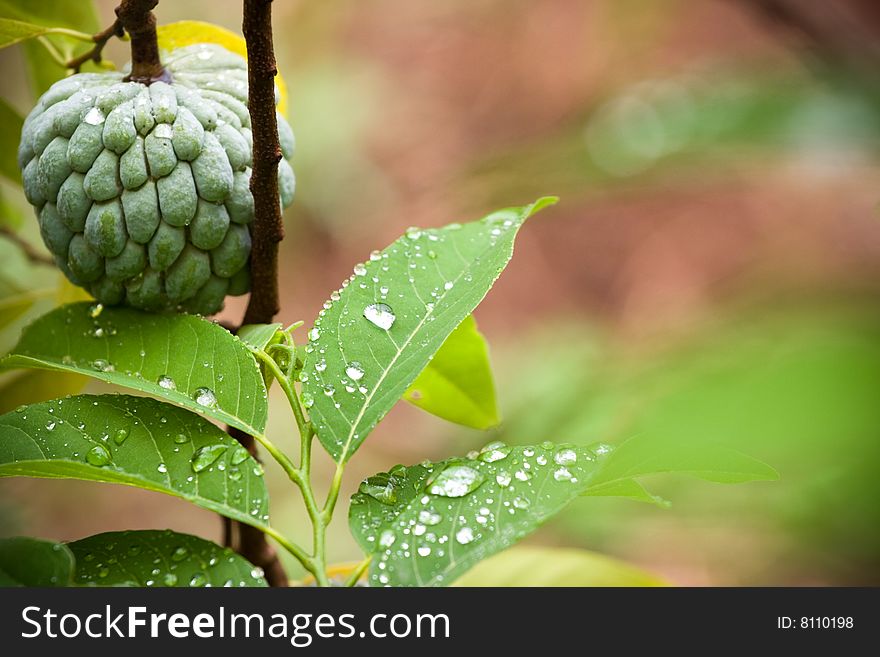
x=143, y=192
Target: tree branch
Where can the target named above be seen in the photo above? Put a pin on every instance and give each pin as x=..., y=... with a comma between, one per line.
x=138, y=20
x=100, y=39
x=266, y=232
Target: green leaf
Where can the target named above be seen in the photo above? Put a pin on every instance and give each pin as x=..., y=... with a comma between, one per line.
x=258, y=336
x=9, y=136
x=34, y=562
x=139, y=442
x=546, y=566
x=79, y=15
x=457, y=384
x=628, y=488
x=159, y=559
x=12, y=31
x=639, y=457
x=183, y=359
x=394, y=314
x=427, y=524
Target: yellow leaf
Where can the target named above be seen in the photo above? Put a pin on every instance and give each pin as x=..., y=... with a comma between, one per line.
x=186, y=33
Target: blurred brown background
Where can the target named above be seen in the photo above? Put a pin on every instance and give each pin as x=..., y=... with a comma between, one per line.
x=718, y=167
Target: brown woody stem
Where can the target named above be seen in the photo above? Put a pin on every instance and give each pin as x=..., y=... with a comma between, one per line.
x=266, y=232
x=95, y=53
x=136, y=16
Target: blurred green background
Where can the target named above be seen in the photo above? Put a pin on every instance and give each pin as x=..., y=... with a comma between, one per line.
x=712, y=272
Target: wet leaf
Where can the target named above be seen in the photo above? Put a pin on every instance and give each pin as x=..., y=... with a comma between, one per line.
x=378, y=333
x=440, y=519
x=139, y=442
x=34, y=562
x=183, y=359
x=159, y=559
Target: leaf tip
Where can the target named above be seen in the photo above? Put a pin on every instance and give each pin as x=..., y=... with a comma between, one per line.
x=541, y=203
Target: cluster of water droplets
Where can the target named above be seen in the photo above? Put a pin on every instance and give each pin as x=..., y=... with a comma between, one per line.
x=433, y=510
x=91, y=434
x=181, y=565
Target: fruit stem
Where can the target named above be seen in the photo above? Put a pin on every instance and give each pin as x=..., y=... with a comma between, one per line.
x=136, y=16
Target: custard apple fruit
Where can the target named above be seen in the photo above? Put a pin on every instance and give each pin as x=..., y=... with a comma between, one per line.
x=142, y=192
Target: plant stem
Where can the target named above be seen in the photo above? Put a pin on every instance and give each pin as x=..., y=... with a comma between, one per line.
x=294, y=549
x=100, y=40
x=359, y=570
x=136, y=16
x=74, y=34
x=52, y=50
x=267, y=230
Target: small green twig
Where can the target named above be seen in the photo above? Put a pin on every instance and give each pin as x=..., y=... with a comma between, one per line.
x=359, y=570
x=73, y=34
x=301, y=476
x=52, y=50
x=294, y=549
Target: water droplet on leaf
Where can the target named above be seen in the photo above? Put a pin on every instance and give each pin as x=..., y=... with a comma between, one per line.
x=381, y=315
x=98, y=456
x=456, y=480
x=206, y=456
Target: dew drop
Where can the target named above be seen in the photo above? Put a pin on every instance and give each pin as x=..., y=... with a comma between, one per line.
x=503, y=479
x=562, y=474
x=94, y=116
x=50, y=425
x=96, y=310
x=181, y=438
x=321, y=365
x=456, y=480
x=354, y=370
x=464, y=535
x=494, y=451
x=170, y=579
x=206, y=456
x=360, y=270
x=381, y=487
x=239, y=456
x=329, y=389
x=162, y=468
x=424, y=551
x=308, y=400
x=381, y=315
x=429, y=517
x=387, y=538
x=120, y=436
x=521, y=503
x=179, y=553
x=565, y=457
x=166, y=382
x=98, y=456
x=101, y=365
x=198, y=579
x=205, y=397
